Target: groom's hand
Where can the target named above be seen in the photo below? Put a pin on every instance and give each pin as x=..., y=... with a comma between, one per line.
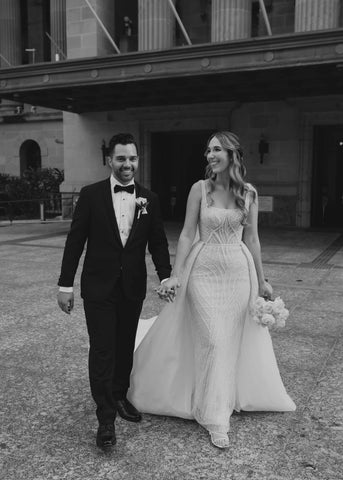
x=65, y=301
x=168, y=288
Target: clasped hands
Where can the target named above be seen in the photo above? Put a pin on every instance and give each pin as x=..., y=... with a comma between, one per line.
x=167, y=290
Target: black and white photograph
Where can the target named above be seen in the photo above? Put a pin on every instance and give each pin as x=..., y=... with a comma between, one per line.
x=171, y=239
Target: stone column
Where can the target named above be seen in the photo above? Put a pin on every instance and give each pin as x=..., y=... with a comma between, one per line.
x=316, y=15
x=58, y=28
x=10, y=32
x=85, y=37
x=231, y=20
x=155, y=25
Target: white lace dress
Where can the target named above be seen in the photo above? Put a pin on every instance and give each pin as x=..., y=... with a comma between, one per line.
x=204, y=356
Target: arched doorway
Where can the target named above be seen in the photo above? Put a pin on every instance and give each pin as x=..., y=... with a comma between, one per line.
x=30, y=156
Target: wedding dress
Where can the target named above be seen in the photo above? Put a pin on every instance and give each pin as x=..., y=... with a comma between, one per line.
x=204, y=356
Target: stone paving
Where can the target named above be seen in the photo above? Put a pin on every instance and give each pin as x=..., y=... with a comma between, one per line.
x=47, y=415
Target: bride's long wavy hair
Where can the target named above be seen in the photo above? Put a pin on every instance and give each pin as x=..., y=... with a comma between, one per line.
x=236, y=169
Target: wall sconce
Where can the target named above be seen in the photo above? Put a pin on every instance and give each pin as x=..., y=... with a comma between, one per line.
x=263, y=147
x=104, y=151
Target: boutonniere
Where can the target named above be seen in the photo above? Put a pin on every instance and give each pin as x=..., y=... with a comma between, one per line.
x=142, y=204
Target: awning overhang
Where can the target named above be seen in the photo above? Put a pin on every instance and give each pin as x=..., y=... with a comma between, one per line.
x=268, y=68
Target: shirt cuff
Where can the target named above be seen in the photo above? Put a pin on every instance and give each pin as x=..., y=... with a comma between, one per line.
x=66, y=289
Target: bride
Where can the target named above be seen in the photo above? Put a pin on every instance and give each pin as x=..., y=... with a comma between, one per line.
x=204, y=356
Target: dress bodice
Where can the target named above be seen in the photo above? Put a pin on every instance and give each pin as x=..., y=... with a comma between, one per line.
x=219, y=225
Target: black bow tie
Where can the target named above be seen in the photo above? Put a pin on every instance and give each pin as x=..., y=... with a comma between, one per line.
x=122, y=188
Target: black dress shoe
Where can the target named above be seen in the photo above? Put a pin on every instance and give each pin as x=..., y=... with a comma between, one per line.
x=127, y=411
x=106, y=436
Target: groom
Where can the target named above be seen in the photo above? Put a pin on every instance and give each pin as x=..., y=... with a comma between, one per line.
x=118, y=218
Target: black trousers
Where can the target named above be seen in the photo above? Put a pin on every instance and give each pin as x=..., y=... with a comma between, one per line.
x=112, y=326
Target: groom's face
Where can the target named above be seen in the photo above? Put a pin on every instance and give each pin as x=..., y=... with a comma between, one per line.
x=124, y=162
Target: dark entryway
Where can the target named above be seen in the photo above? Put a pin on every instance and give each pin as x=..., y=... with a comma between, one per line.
x=30, y=156
x=35, y=22
x=327, y=185
x=177, y=161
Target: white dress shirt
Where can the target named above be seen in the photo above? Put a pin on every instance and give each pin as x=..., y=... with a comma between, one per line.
x=124, y=205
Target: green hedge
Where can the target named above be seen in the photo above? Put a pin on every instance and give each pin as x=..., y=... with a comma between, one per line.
x=24, y=190
x=32, y=184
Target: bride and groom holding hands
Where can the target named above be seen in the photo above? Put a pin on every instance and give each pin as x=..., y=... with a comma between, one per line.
x=203, y=356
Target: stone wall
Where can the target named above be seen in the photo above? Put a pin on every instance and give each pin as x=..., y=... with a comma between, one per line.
x=85, y=37
x=283, y=214
x=83, y=135
x=47, y=133
x=277, y=174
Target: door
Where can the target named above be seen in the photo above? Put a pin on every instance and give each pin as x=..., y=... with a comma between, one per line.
x=177, y=161
x=327, y=184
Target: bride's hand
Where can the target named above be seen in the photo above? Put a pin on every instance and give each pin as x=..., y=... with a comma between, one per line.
x=266, y=290
x=167, y=289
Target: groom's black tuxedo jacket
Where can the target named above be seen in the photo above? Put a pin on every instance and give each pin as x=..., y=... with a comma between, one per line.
x=106, y=260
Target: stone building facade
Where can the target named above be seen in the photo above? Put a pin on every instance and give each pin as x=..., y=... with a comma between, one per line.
x=271, y=76
x=30, y=136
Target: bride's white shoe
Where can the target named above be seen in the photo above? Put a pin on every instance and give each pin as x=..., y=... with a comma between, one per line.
x=220, y=440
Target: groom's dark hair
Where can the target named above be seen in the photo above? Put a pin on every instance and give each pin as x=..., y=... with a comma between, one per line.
x=122, y=139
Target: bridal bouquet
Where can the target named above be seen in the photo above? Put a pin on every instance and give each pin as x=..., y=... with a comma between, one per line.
x=270, y=312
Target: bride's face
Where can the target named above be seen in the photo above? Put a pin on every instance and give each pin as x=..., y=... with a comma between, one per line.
x=217, y=156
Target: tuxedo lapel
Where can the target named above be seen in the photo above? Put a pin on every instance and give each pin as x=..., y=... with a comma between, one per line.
x=110, y=210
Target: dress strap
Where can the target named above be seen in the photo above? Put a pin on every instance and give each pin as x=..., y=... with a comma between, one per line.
x=203, y=194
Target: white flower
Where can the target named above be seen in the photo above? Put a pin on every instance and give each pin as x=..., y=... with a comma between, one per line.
x=267, y=320
x=279, y=305
x=142, y=204
x=259, y=306
x=282, y=317
x=268, y=307
x=260, y=302
x=284, y=314
x=280, y=322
